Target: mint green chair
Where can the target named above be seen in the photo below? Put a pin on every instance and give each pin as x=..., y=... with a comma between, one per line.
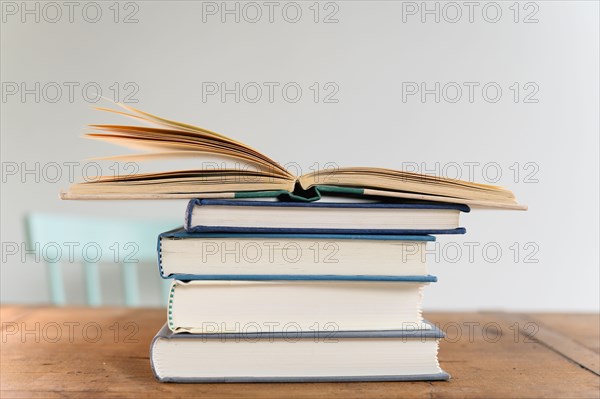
x=59, y=239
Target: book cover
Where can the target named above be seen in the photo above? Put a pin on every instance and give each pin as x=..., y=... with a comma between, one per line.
x=191, y=226
x=181, y=234
x=431, y=333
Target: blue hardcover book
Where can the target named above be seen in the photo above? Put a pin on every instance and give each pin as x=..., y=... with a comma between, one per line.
x=263, y=256
x=260, y=355
x=239, y=216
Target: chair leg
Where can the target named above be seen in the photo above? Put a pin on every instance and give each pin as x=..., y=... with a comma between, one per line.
x=57, y=288
x=92, y=284
x=130, y=283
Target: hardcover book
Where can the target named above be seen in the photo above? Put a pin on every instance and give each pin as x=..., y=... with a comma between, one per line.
x=298, y=356
x=391, y=303
x=210, y=215
x=255, y=256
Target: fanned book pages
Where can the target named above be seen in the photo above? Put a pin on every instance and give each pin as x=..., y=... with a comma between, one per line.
x=260, y=176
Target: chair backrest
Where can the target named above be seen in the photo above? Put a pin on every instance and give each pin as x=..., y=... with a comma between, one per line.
x=58, y=239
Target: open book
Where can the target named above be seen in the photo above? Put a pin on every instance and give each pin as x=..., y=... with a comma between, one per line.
x=260, y=176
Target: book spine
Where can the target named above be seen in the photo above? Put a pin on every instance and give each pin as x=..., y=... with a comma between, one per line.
x=187, y=220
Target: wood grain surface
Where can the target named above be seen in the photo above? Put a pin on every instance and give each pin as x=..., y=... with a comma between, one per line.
x=103, y=353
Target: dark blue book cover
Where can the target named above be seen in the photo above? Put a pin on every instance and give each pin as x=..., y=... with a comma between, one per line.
x=191, y=226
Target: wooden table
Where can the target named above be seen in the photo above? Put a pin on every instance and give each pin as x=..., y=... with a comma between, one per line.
x=85, y=352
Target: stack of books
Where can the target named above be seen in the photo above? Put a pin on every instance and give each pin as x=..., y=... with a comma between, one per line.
x=292, y=291
x=284, y=278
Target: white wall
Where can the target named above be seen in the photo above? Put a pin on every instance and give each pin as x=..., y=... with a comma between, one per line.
x=171, y=53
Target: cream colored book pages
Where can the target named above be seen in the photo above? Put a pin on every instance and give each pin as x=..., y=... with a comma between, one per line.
x=222, y=306
x=162, y=138
x=292, y=256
